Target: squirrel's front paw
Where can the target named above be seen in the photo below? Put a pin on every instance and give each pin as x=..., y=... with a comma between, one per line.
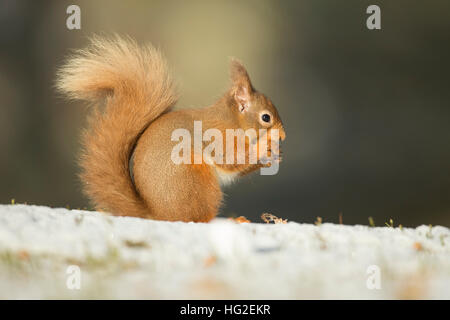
x=270, y=158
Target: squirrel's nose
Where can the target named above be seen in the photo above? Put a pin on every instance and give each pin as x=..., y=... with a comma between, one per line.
x=282, y=134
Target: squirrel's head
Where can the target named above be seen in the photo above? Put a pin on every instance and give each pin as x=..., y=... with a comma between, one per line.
x=253, y=109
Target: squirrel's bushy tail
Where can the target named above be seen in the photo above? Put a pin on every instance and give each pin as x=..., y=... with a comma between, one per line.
x=130, y=86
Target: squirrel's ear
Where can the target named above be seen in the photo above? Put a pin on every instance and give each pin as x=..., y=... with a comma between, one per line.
x=241, y=85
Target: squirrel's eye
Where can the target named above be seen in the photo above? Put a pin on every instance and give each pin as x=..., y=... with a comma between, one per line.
x=265, y=117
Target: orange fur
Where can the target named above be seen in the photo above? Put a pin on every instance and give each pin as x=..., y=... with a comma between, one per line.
x=132, y=90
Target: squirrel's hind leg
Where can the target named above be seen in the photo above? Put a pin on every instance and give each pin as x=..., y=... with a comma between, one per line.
x=198, y=195
x=190, y=193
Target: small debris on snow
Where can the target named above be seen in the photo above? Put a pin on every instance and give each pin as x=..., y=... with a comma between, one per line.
x=268, y=218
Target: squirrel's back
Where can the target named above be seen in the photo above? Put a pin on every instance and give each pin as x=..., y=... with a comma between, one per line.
x=129, y=86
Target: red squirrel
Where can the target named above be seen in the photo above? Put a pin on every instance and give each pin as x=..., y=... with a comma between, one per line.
x=126, y=165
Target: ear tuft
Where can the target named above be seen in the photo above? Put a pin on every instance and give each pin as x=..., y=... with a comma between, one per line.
x=241, y=84
x=238, y=73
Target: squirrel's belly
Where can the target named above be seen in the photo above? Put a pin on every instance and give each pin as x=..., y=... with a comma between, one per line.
x=226, y=177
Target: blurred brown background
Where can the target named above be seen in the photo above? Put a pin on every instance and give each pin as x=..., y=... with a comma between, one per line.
x=367, y=113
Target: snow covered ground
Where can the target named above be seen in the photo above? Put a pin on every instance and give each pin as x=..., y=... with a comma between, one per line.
x=41, y=250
